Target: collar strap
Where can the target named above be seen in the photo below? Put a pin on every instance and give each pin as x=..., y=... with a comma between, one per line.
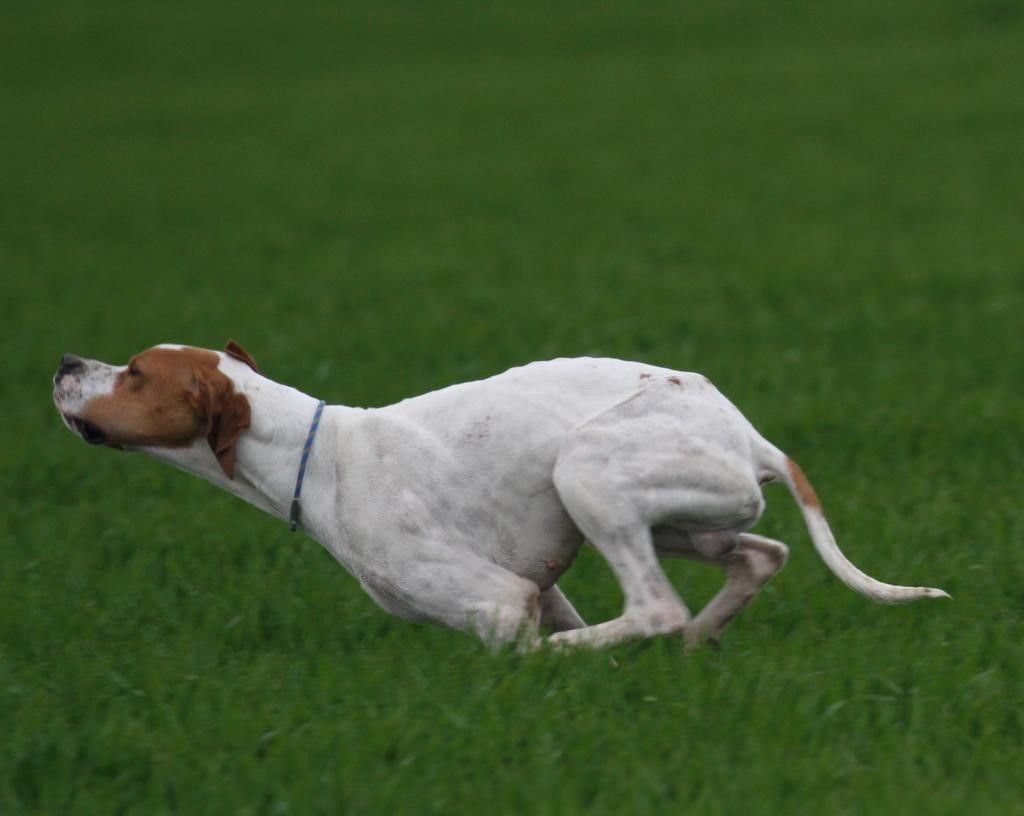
x=293, y=516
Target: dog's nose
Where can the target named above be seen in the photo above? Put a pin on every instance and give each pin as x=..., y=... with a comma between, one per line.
x=68, y=364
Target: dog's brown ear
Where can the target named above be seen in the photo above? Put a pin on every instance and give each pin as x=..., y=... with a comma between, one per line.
x=227, y=415
x=234, y=350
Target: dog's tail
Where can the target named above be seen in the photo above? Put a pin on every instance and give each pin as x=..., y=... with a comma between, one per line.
x=789, y=472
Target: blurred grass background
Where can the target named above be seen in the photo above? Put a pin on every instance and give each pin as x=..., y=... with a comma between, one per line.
x=820, y=206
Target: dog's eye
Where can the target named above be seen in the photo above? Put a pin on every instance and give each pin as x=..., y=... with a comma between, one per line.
x=133, y=371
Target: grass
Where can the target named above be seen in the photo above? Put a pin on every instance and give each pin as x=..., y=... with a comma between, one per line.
x=817, y=206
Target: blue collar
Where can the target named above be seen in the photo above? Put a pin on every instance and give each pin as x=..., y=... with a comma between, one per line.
x=293, y=516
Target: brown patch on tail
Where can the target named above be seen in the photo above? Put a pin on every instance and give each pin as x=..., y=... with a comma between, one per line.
x=808, y=497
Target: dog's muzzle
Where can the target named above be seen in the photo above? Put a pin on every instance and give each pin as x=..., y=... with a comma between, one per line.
x=66, y=395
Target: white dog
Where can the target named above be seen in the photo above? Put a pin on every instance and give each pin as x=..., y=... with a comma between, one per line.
x=465, y=505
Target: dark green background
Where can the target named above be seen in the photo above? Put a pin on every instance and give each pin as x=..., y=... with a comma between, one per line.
x=819, y=205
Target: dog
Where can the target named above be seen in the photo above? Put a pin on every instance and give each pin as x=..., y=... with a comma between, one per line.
x=464, y=506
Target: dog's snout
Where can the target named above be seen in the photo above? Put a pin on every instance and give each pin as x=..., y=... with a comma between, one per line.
x=68, y=364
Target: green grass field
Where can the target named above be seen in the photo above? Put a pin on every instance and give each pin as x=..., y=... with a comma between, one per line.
x=818, y=205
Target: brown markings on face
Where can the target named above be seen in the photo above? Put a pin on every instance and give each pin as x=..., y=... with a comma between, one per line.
x=675, y=380
x=803, y=487
x=168, y=398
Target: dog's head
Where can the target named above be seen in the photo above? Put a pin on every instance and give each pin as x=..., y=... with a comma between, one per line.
x=165, y=397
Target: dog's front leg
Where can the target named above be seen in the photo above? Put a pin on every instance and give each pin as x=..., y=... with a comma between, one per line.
x=453, y=586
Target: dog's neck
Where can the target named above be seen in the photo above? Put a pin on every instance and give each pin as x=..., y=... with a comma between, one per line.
x=268, y=453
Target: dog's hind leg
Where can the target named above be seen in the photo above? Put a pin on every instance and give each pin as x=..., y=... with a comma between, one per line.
x=557, y=613
x=652, y=606
x=662, y=457
x=748, y=566
x=611, y=524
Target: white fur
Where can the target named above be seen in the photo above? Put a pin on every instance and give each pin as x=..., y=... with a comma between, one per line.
x=465, y=505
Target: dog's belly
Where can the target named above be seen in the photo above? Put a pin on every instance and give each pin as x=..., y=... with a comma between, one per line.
x=530, y=535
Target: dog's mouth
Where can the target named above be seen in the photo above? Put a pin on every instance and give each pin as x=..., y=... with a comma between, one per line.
x=91, y=433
